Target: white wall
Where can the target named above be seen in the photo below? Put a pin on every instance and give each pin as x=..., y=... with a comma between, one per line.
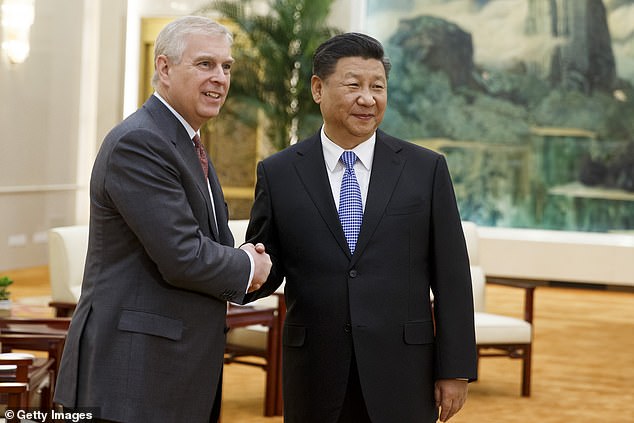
x=56, y=106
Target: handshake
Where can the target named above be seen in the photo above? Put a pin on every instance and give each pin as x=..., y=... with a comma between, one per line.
x=262, y=264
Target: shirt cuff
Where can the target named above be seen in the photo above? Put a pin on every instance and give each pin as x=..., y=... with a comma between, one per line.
x=252, y=272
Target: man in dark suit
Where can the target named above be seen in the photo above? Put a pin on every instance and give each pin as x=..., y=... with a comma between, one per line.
x=360, y=245
x=147, y=339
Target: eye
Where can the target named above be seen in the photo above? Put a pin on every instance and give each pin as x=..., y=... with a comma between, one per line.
x=226, y=67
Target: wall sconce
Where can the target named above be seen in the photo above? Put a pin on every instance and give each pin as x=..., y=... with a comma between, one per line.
x=17, y=18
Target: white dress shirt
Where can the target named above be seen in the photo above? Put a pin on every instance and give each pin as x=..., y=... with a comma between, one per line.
x=335, y=168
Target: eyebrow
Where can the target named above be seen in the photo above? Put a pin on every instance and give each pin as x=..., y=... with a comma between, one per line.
x=356, y=75
x=209, y=58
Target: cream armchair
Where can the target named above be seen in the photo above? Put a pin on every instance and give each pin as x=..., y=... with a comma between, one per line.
x=497, y=335
x=67, y=248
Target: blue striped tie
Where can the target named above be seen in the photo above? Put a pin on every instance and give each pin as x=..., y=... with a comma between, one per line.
x=350, y=205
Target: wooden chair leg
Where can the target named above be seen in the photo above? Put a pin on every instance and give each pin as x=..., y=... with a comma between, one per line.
x=46, y=397
x=477, y=361
x=281, y=316
x=271, y=371
x=526, y=371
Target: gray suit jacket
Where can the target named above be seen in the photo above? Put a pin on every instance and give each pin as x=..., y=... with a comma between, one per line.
x=375, y=303
x=147, y=339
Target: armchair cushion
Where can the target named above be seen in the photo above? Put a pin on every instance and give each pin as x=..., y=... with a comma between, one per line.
x=67, y=256
x=497, y=329
x=254, y=337
x=478, y=284
x=470, y=230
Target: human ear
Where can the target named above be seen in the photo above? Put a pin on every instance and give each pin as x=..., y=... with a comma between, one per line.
x=316, y=87
x=161, y=66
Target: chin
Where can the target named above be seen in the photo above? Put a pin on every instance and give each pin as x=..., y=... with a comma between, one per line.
x=211, y=112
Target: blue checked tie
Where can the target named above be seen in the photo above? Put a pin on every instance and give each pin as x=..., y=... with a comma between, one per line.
x=350, y=205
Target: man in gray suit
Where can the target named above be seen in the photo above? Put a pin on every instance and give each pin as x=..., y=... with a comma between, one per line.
x=361, y=240
x=147, y=339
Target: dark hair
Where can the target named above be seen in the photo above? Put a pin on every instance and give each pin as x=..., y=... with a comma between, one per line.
x=350, y=44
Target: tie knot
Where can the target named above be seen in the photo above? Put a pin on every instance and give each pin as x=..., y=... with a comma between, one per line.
x=196, y=139
x=348, y=158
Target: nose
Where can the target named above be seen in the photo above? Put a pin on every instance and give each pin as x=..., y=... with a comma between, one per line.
x=218, y=74
x=366, y=98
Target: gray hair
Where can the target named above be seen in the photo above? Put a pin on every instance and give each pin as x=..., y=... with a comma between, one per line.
x=171, y=41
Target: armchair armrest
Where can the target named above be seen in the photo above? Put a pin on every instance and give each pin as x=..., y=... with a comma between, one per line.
x=529, y=292
x=36, y=342
x=21, y=372
x=63, y=309
x=52, y=344
x=43, y=325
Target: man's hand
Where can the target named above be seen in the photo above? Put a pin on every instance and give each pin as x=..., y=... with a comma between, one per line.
x=450, y=395
x=262, y=262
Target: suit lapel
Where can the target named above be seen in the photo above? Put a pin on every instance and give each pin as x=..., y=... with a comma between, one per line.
x=187, y=151
x=311, y=169
x=387, y=166
x=219, y=203
x=178, y=135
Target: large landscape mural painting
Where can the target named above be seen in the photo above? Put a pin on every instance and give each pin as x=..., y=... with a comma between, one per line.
x=531, y=101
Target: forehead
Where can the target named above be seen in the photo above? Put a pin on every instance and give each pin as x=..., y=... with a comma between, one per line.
x=360, y=67
x=207, y=45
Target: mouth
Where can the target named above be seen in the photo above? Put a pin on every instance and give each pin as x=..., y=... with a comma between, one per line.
x=213, y=95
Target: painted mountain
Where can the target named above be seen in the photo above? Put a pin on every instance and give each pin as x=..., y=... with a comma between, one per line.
x=531, y=101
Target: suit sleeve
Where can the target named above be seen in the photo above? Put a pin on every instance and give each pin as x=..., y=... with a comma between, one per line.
x=451, y=284
x=145, y=184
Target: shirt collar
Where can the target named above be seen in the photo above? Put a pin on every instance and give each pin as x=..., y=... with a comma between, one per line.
x=332, y=152
x=188, y=127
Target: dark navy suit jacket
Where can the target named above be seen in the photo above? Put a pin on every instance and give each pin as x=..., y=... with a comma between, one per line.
x=375, y=303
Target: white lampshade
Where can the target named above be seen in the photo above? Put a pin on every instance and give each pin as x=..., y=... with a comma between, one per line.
x=17, y=18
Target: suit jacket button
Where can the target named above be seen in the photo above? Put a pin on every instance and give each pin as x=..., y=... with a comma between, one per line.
x=347, y=328
x=352, y=273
